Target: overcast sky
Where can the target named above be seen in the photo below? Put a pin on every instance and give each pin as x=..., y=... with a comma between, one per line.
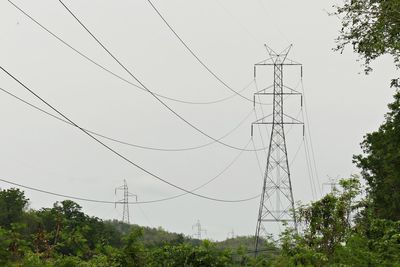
x=229, y=36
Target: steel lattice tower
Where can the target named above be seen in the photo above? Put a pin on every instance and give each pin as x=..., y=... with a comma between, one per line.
x=199, y=229
x=277, y=203
x=125, y=201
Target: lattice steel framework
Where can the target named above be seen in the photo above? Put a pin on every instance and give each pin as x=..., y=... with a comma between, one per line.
x=277, y=203
x=125, y=201
x=199, y=230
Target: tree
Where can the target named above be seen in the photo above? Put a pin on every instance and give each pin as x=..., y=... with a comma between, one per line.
x=372, y=28
x=133, y=253
x=205, y=254
x=380, y=165
x=12, y=205
x=325, y=227
x=327, y=221
x=376, y=245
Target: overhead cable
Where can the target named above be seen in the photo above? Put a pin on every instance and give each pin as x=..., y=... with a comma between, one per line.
x=144, y=86
x=309, y=135
x=195, y=55
x=136, y=202
x=113, y=139
x=116, y=152
x=57, y=37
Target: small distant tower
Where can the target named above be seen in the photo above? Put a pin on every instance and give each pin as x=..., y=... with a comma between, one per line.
x=199, y=230
x=125, y=201
x=333, y=183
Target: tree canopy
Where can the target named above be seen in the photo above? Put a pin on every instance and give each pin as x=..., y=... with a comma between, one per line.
x=372, y=28
x=380, y=164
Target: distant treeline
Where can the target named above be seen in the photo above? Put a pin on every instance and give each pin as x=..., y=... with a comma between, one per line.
x=64, y=236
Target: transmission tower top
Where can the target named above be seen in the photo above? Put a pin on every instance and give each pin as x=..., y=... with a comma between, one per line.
x=278, y=89
x=278, y=58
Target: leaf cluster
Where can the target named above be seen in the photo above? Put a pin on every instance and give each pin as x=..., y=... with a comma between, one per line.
x=372, y=28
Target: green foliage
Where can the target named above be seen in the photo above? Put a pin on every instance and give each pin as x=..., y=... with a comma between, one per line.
x=326, y=227
x=242, y=242
x=371, y=27
x=133, y=253
x=380, y=165
x=207, y=255
x=34, y=260
x=12, y=205
x=12, y=244
x=331, y=238
x=377, y=245
x=188, y=255
x=64, y=236
x=327, y=221
x=5, y=242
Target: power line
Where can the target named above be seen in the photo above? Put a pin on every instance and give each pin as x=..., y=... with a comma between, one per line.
x=145, y=216
x=309, y=135
x=195, y=55
x=208, y=182
x=137, y=202
x=116, y=152
x=57, y=194
x=235, y=19
x=309, y=166
x=115, y=74
x=144, y=86
x=125, y=142
x=142, y=202
x=273, y=22
x=263, y=115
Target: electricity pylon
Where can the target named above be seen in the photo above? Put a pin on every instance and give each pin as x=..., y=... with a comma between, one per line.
x=199, y=229
x=333, y=183
x=277, y=203
x=125, y=201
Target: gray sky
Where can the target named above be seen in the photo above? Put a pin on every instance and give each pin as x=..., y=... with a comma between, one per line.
x=39, y=151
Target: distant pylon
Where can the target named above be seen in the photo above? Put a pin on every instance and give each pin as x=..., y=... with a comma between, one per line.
x=277, y=203
x=199, y=229
x=125, y=201
x=333, y=183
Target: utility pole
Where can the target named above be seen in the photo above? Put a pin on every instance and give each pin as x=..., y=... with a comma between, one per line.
x=277, y=203
x=125, y=201
x=199, y=229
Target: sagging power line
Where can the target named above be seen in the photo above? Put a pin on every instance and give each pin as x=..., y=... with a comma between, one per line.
x=116, y=140
x=144, y=86
x=109, y=148
x=83, y=55
x=190, y=50
x=137, y=202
